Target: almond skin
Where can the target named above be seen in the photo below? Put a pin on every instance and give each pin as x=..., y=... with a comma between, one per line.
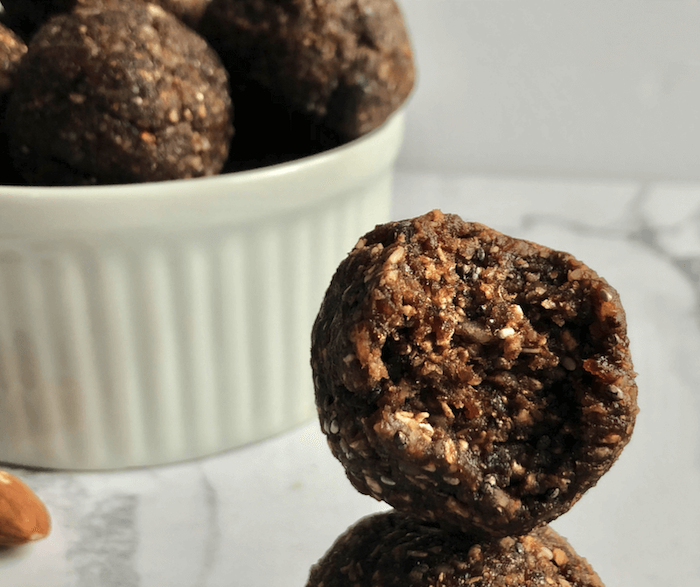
x=23, y=516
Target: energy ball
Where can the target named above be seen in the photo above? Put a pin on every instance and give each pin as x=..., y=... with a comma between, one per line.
x=471, y=378
x=119, y=92
x=395, y=550
x=346, y=63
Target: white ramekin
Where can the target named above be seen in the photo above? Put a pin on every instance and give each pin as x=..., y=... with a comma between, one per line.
x=152, y=323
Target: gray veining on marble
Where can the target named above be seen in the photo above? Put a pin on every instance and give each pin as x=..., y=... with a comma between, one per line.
x=671, y=227
x=260, y=516
x=108, y=541
x=212, y=539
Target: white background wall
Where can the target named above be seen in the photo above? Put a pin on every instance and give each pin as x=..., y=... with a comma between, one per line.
x=588, y=88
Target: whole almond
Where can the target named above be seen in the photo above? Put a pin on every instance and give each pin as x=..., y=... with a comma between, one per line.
x=23, y=516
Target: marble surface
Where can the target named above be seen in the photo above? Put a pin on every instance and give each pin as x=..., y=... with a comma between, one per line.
x=260, y=516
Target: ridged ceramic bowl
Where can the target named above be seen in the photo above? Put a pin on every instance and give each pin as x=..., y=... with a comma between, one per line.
x=158, y=322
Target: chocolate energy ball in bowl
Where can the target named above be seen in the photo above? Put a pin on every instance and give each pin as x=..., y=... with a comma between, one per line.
x=346, y=64
x=155, y=322
x=395, y=550
x=118, y=92
x=471, y=378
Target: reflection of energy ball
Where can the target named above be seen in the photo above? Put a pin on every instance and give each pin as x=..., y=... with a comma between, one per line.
x=395, y=550
x=119, y=93
x=471, y=378
x=347, y=63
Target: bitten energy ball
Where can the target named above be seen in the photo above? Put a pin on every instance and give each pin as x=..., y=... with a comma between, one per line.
x=346, y=63
x=395, y=550
x=116, y=93
x=468, y=377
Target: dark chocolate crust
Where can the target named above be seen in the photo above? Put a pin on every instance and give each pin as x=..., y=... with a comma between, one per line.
x=469, y=377
x=119, y=92
x=346, y=63
x=395, y=550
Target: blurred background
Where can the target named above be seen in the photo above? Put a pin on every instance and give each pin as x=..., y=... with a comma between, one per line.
x=556, y=87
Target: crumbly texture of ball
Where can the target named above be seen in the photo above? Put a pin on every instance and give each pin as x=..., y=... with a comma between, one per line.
x=395, y=550
x=119, y=92
x=347, y=63
x=469, y=377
